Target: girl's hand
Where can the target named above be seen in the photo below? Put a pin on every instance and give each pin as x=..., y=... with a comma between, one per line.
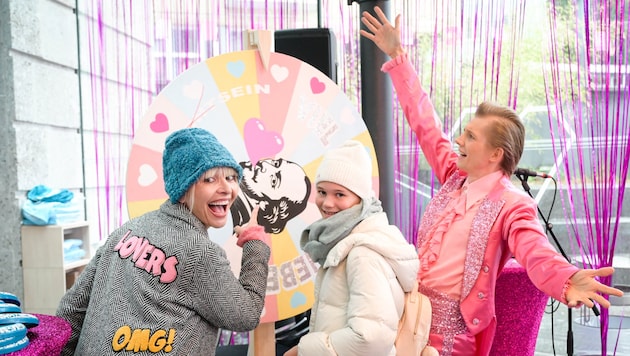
x=292, y=351
x=382, y=33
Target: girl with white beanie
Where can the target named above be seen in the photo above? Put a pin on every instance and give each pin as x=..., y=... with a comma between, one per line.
x=366, y=263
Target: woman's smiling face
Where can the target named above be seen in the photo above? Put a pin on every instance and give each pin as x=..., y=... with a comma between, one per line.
x=211, y=196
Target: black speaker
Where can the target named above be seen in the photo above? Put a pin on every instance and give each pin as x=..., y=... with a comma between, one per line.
x=315, y=46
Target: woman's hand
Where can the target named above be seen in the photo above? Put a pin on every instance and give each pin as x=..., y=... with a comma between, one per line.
x=382, y=33
x=292, y=351
x=253, y=221
x=584, y=288
x=251, y=230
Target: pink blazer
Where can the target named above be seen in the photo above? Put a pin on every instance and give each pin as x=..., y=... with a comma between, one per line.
x=506, y=225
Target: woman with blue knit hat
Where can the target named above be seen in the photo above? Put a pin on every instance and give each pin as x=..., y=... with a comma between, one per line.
x=366, y=265
x=159, y=284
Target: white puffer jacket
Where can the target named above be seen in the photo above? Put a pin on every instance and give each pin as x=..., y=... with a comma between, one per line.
x=359, y=292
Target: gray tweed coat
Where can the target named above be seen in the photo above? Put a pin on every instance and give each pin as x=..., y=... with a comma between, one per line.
x=160, y=285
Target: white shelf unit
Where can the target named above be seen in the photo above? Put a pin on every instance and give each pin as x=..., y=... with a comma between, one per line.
x=46, y=275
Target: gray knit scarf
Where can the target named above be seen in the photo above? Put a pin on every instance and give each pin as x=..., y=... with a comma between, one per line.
x=322, y=235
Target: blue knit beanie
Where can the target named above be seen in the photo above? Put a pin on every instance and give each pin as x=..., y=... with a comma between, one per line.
x=188, y=153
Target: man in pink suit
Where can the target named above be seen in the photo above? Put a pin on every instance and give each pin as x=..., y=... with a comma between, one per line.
x=478, y=219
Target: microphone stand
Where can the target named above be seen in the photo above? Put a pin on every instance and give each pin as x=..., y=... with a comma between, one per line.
x=548, y=228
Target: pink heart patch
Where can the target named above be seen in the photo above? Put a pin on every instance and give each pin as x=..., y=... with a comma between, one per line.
x=259, y=142
x=317, y=86
x=160, y=124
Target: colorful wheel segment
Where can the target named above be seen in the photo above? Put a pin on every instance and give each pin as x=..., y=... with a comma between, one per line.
x=277, y=122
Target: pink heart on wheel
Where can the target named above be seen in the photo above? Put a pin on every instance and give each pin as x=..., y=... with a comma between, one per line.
x=317, y=86
x=160, y=124
x=259, y=142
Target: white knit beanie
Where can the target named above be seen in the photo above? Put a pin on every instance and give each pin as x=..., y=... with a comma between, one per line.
x=349, y=165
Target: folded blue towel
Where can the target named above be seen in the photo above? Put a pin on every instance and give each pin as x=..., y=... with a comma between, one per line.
x=47, y=194
x=50, y=207
x=72, y=244
x=73, y=255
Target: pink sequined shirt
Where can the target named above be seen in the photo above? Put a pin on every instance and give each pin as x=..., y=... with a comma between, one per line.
x=446, y=272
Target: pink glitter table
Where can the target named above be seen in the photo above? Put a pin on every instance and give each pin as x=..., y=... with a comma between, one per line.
x=47, y=338
x=519, y=307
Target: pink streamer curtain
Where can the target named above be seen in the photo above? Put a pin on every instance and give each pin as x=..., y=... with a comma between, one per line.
x=114, y=89
x=466, y=52
x=587, y=82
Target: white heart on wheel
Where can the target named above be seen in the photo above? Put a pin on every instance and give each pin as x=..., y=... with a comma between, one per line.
x=279, y=73
x=147, y=175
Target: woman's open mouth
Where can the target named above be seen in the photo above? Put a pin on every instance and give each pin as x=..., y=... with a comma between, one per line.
x=219, y=208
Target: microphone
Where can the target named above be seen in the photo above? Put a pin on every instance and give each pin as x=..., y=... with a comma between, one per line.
x=524, y=172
